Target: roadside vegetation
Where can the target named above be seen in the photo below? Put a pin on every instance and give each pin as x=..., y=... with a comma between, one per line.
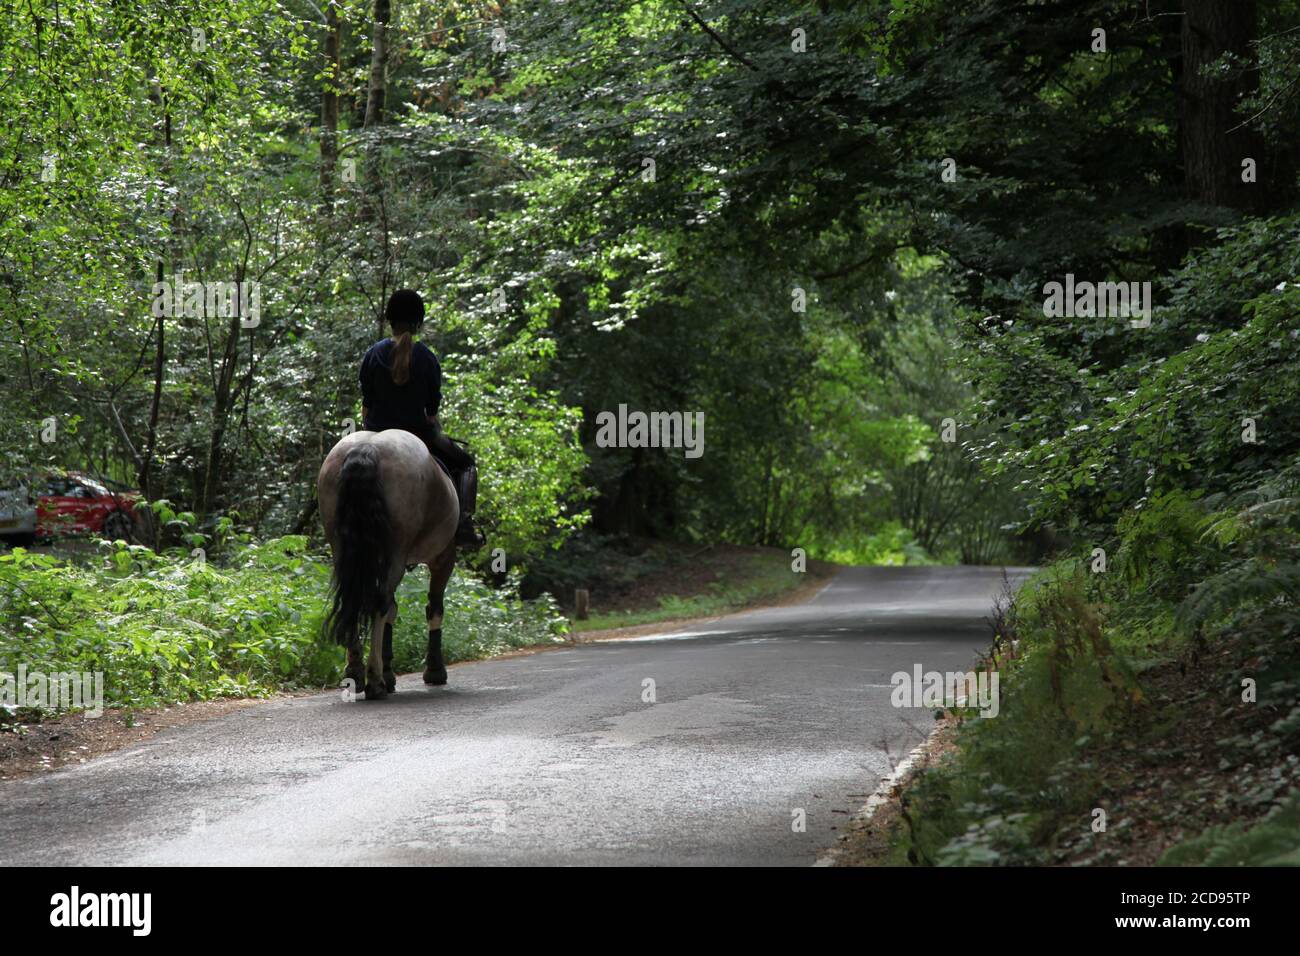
x=1153, y=673
x=1132, y=731
x=173, y=627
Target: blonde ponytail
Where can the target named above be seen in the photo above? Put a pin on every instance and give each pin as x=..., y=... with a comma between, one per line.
x=402, y=345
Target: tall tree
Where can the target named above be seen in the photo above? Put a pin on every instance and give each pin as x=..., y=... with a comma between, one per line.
x=331, y=77
x=1220, y=69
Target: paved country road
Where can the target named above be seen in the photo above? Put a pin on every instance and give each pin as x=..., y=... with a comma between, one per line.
x=549, y=758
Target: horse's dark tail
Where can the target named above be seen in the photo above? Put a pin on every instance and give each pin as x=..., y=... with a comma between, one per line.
x=361, y=556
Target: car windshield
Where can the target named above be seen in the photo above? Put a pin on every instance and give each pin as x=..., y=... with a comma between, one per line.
x=56, y=487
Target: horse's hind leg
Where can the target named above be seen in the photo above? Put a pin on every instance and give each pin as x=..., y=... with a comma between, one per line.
x=376, y=688
x=390, y=678
x=435, y=668
x=356, y=671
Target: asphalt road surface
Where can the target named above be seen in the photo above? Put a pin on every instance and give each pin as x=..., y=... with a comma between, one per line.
x=549, y=758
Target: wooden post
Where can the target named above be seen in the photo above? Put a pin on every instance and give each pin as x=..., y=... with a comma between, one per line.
x=581, y=602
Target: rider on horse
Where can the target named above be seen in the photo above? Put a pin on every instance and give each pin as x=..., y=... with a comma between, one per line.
x=401, y=387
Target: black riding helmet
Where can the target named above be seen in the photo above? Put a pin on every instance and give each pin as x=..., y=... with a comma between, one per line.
x=405, y=309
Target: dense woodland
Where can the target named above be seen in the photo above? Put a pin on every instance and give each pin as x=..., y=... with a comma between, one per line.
x=603, y=203
x=828, y=226
x=743, y=210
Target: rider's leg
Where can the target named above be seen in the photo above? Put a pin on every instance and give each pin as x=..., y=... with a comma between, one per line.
x=464, y=473
x=464, y=477
x=453, y=455
x=467, y=488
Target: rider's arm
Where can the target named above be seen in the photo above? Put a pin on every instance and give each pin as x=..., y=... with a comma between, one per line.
x=433, y=401
x=366, y=376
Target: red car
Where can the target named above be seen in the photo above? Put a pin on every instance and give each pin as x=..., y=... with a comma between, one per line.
x=78, y=504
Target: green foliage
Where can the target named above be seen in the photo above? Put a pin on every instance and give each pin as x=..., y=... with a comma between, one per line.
x=1213, y=416
x=675, y=290
x=1163, y=547
x=1188, y=574
x=179, y=143
x=168, y=627
x=561, y=280
x=893, y=544
x=1273, y=841
x=1015, y=779
x=480, y=621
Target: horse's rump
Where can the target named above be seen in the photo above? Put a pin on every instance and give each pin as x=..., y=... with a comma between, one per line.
x=384, y=504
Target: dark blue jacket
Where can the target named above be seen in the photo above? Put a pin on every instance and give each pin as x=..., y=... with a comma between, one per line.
x=399, y=406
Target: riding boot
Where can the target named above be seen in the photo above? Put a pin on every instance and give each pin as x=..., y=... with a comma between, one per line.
x=467, y=536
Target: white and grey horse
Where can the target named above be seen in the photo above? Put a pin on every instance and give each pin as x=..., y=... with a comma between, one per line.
x=386, y=506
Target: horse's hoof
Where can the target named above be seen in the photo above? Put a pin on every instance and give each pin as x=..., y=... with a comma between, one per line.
x=376, y=692
x=390, y=682
x=358, y=678
x=436, y=676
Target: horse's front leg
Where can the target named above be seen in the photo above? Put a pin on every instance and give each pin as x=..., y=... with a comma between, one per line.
x=376, y=686
x=435, y=668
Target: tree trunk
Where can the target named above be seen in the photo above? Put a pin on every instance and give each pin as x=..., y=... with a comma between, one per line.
x=329, y=110
x=376, y=94
x=378, y=65
x=145, y=476
x=1212, y=155
x=304, y=517
x=377, y=90
x=221, y=412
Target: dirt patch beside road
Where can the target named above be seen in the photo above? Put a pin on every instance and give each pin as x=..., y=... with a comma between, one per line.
x=71, y=739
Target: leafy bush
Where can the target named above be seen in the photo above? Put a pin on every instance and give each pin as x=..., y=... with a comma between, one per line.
x=601, y=563
x=1190, y=573
x=1015, y=778
x=480, y=621
x=170, y=627
x=1274, y=841
x=893, y=544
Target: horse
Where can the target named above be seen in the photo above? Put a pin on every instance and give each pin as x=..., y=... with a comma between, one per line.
x=387, y=506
